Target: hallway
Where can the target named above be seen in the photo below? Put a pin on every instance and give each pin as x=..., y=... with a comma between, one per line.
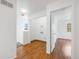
x=39, y=29
x=35, y=50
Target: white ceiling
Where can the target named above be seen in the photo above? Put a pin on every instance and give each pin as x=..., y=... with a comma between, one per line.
x=33, y=6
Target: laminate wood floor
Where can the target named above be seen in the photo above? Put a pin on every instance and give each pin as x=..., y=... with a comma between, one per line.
x=34, y=50
x=37, y=50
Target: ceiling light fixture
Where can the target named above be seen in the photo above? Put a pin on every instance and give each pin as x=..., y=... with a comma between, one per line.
x=24, y=11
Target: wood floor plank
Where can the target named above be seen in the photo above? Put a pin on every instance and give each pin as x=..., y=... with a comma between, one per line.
x=34, y=50
x=37, y=50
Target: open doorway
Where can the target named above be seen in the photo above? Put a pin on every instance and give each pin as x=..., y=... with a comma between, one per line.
x=23, y=28
x=31, y=32
x=61, y=33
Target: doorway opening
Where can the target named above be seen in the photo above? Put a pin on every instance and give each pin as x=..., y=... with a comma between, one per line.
x=61, y=33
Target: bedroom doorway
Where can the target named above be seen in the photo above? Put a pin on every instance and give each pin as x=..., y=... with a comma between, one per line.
x=61, y=32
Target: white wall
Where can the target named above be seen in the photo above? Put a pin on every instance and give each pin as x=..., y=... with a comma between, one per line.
x=19, y=28
x=63, y=17
x=21, y=36
x=8, y=31
x=26, y=37
x=36, y=21
x=52, y=7
x=38, y=25
x=76, y=30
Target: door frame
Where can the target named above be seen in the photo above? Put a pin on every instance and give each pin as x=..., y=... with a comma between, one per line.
x=51, y=8
x=51, y=12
